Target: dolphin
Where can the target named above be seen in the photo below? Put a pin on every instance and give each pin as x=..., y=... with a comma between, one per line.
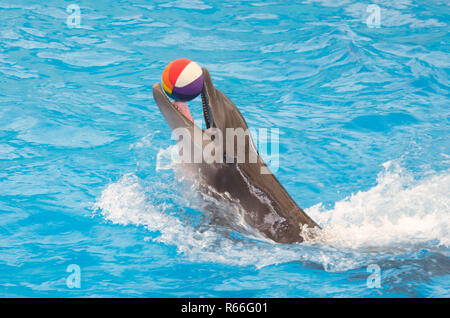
x=266, y=204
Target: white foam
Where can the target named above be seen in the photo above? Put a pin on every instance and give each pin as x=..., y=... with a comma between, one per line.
x=399, y=214
x=125, y=202
x=167, y=159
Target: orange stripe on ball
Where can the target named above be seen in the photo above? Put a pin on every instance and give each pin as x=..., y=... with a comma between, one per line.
x=165, y=79
x=176, y=69
x=167, y=89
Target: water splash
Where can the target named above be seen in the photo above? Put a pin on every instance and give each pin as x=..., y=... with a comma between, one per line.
x=399, y=214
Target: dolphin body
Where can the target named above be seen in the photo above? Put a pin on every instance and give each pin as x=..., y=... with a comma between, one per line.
x=266, y=204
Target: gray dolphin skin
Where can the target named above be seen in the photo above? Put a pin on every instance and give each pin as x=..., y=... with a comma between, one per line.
x=266, y=204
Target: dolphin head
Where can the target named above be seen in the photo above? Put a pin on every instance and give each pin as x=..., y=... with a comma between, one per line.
x=218, y=110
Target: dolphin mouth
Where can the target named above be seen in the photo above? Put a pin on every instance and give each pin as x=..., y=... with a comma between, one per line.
x=207, y=114
x=163, y=101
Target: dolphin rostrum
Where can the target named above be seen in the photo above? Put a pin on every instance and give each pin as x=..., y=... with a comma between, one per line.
x=267, y=205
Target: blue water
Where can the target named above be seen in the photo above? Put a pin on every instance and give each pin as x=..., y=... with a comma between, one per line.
x=85, y=178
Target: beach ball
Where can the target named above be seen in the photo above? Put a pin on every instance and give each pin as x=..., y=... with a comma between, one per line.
x=182, y=80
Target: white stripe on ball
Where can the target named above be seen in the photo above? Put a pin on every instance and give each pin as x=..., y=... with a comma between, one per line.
x=191, y=72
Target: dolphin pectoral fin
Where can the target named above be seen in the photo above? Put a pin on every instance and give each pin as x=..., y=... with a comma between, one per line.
x=276, y=203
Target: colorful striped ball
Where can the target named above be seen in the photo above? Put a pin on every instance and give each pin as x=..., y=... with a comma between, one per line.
x=182, y=80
